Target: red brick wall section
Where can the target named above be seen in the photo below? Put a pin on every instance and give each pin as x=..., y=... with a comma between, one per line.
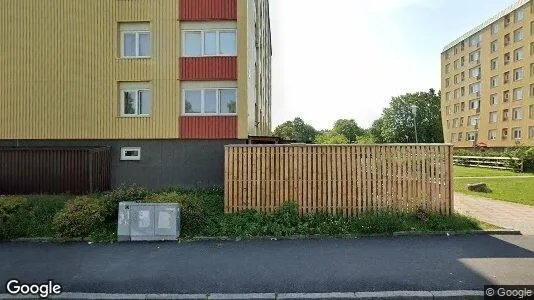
x=208, y=127
x=206, y=10
x=208, y=68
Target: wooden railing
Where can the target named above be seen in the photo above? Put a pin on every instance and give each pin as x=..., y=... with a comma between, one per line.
x=341, y=179
x=503, y=163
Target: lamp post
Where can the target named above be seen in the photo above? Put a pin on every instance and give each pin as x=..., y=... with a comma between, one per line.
x=414, y=111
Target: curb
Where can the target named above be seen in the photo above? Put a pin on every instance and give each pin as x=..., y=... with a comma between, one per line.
x=444, y=295
x=292, y=237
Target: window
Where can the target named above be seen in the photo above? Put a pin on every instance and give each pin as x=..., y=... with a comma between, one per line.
x=506, y=77
x=507, y=40
x=474, y=40
x=457, y=64
x=474, y=56
x=519, y=15
x=457, y=78
x=494, y=46
x=505, y=115
x=518, y=94
x=474, y=88
x=506, y=96
x=447, y=82
x=473, y=120
x=462, y=61
x=456, y=92
x=506, y=58
x=507, y=20
x=462, y=105
x=447, y=54
x=456, y=123
x=130, y=153
x=474, y=72
x=516, y=132
x=532, y=90
x=531, y=132
x=135, y=40
x=459, y=136
x=493, y=117
x=454, y=137
x=494, y=99
x=462, y=91
x=517, y=113
x=532, y=69
x=456, y=108
x=494, y=63
x=210, y=101
x=447, y=69
x=492, y=135
x=494, y=81
x=504, y=133
x=518, y=74
x=471, y=136
x=448, y=96
x=210, y=43
x=135, y=99
x=518, y=35
x=531, y=111
x=532, y=48
x=519, y=54
x=474, y=104
x=494, y=28
x=461, y=121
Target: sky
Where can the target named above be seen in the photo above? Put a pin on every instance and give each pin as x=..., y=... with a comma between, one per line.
x=347, y=58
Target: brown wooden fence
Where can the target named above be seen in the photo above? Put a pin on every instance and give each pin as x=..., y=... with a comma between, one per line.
x=344, y=179
x=54, y=170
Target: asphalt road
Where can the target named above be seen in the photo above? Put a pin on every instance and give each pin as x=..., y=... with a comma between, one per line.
x=312, y=266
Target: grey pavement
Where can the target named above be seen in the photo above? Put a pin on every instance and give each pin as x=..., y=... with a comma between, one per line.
x=413, y=263
x=504, y=214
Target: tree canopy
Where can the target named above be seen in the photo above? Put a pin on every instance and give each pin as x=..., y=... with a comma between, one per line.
x=296, y=130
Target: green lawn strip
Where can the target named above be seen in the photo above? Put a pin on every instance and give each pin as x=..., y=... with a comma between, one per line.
x=460, y=171
x=517, y=190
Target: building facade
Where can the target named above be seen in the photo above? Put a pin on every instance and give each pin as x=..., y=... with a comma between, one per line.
x=137, y=75
x=487, y=82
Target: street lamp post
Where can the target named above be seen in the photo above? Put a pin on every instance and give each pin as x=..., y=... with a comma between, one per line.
x=414, y=111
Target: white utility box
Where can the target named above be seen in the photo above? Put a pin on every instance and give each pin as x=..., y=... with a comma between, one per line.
x=148, y=221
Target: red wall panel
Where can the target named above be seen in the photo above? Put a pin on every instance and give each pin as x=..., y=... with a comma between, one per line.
x=208, y=68
x=208, y=127
x=203, y=10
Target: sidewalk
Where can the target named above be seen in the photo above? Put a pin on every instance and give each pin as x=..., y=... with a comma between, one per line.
x=504, y=214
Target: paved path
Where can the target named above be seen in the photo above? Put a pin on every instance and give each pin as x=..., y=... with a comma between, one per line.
x=504, y=214
x=418, y=263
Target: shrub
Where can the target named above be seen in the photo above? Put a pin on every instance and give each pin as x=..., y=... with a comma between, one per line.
x=11, y=212
x=80, y=217
x=192, y=214
x=111, y=200
x=525, y=154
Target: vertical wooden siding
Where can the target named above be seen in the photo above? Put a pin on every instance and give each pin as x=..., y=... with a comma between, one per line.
x=208, y=68
x=53, y=171
x=61, y=69
x=345, y=180
x=204, y=10
x=208, y=127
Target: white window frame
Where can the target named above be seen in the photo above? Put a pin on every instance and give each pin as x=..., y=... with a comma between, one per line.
x=202, y=42
x=517, y=113
x=137, y=33
x=516, y=52
x=202, y=101
x=494, y=46
x=492, y=134
x=522, y=35
x=516, y=136
x=130, y=158
x=515, y=94
x=493, y=117
x=519, y=71
x=494, y=99
x=496, y=60
x=520, y=12
x=494, y=28
x=531, y=132
x=136, y=91
x=494, y=81
x=471, y=136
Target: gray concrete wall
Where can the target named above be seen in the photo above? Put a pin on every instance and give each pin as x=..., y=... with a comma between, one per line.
x=164, y=163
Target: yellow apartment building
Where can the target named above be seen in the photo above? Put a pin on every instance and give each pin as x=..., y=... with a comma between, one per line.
x=164, y=83
x=487, y=82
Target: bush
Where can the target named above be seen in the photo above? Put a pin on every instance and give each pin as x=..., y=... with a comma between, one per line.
x=111, y=200
x=80, y=218
x=193, y=215
x=11, y=211
x=525, y=154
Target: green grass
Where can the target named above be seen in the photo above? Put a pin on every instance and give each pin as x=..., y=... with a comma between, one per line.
x=517, y=190
x=460, y=171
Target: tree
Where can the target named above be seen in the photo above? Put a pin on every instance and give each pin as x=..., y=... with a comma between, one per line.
x=296, y=130
x=349, y=129
x=376, y=130
x=331, y=137
x=397, y=122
